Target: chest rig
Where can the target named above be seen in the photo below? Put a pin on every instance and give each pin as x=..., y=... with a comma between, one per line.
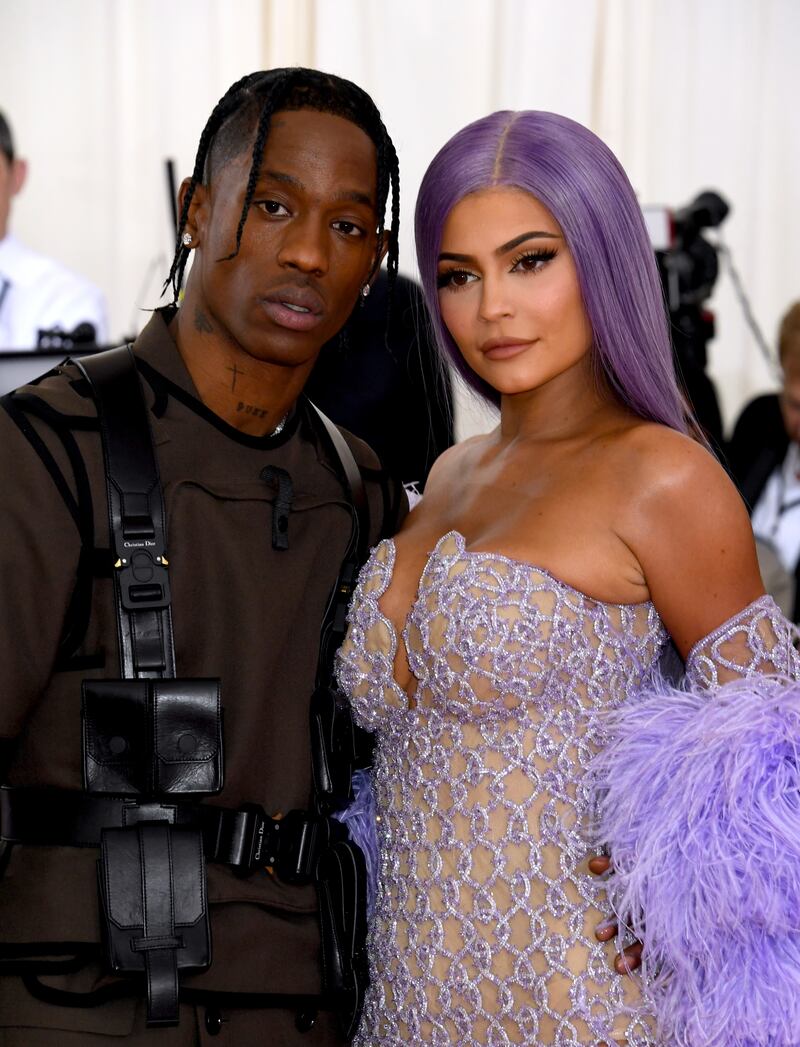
x=153, y=749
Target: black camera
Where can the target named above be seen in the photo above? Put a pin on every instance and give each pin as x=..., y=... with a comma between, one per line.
x=688, y=265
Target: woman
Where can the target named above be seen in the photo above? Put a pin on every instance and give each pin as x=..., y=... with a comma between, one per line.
x=535, y=590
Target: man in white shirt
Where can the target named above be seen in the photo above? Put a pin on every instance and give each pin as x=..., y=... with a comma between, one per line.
x=40, y=299
x=764, y=459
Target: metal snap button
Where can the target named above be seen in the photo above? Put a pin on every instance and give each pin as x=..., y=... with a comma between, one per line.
x=213, y=1021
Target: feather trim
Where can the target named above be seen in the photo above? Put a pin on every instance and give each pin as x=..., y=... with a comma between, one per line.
x=699, y=806
x=360, y=820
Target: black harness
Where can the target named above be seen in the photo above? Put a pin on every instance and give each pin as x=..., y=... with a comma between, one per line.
x=153, y=747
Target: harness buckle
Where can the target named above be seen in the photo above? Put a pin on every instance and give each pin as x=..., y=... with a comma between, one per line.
x=141, y=571
x=248, y=839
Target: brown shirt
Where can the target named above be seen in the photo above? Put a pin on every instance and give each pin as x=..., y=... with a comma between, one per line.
x=242, y=611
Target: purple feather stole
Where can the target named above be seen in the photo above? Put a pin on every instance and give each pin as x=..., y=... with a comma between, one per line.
x=360, y=819
x=698, y=803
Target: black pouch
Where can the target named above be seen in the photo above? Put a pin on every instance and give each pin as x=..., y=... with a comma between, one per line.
x=342, y=887
x=152, y=737
x=155, y=911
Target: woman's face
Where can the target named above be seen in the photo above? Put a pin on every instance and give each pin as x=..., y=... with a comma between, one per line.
x=509, y=293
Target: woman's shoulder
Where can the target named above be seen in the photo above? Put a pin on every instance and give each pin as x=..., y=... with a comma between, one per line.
x=659, y=462
x=674, y=484
x=689, y=529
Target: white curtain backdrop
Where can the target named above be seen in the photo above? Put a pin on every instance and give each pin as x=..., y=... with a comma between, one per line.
x=691, y=94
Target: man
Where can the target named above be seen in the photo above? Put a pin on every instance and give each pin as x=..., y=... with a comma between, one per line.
x=42, y=303
x=284, y=219
x=764, y=457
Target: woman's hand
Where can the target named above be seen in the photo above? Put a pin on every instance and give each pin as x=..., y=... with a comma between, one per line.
x=631, y=956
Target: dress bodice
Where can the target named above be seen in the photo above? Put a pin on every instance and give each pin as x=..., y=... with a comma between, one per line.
x=485, y=917
x=483, y=931
x=488, y=636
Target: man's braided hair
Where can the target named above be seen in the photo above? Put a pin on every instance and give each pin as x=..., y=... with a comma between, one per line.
x=249, y=103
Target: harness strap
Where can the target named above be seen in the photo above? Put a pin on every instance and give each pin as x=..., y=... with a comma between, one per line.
x=244, y=838
x=159, y=941
x=334, y=623
x=137, y=520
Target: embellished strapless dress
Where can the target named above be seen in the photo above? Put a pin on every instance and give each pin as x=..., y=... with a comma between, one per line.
x=483, y=930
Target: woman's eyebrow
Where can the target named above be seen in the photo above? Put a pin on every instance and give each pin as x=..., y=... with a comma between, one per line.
x=533, y=234
x=538, y=234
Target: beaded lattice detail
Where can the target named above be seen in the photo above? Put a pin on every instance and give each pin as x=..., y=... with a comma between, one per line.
x=756, y=640
x=484, y=925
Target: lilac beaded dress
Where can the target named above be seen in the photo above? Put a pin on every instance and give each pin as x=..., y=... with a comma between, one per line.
x=483, y=930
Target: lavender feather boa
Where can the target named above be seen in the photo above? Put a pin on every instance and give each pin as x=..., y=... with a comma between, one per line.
x=699, y=805
x=360, y=818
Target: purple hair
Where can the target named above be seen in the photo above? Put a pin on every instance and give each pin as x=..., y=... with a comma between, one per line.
x=583, y=185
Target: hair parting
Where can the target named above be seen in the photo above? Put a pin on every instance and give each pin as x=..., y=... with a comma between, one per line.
x=580, y=181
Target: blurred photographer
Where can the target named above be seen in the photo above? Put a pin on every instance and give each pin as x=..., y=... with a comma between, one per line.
x=764, y=459
x=688, y=266
x=43, y=304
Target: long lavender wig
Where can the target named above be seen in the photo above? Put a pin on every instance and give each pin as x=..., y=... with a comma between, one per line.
x=583, y=185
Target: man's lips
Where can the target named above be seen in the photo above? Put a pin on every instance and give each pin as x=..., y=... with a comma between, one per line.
x=505, y=348
x=295, y=308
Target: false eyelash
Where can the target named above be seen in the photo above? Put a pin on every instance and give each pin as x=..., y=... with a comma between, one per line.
x=541, y=254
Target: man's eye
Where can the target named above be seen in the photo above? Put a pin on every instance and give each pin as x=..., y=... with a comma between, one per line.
x=272, y=207
x=348, y=228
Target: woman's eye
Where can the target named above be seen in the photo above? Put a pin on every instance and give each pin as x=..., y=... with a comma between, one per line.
x=532, y=261
x=273, y=207
x=455, y=278
x=348, y=228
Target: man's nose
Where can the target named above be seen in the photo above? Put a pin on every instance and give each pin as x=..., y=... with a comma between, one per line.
x=305, y=246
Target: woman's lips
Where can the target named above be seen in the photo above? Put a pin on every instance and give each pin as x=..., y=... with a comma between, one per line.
x=504, y=350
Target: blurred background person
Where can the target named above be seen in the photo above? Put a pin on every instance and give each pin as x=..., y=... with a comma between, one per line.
x=764, y=458
x=387, y=384
x=42, y=303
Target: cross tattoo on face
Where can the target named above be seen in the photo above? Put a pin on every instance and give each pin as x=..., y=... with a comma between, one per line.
x=236, y=373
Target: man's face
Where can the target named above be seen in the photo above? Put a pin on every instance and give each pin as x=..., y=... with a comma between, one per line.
x=308, y=245
x=12, y=175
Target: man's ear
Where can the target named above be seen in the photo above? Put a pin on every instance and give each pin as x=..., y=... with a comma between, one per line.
x=196, y=218
x=19, y=172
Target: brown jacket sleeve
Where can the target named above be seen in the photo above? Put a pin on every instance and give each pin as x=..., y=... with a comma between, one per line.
x=39, y=551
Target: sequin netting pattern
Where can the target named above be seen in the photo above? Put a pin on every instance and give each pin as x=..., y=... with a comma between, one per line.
x=484, y=925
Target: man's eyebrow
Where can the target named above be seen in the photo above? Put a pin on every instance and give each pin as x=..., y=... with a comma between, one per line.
x=356, y=196
x=534, y=234
x=280, y=176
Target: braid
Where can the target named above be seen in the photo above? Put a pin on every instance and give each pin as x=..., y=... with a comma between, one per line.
x=271, y=102
x=224, y=107
x=253, y=100
x=392, y=255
